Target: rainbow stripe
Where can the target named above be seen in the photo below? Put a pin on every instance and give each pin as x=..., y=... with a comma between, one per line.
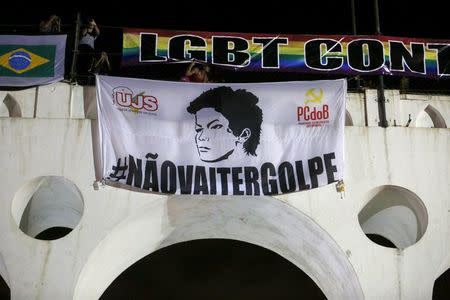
x=291, y=56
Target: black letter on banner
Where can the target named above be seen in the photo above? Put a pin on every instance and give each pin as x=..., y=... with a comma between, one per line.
x=400, y=56
x=251, y=181
x=134, y=172
x=177, y=48
x=270, y=56
x=236, y=56
x=236, y=181
x=285, y=175
x=119, y=170
x=185, y=179
x=301, y=176
x=149, y=43
x=329, y=167
x=168, y=177
x=356, y=56
x=315, y=168
x=200, y=181
x=212, y=181
x=223, y=179
x=266, y=170
x=151, y=172
x=315, y=59
x=443, y=58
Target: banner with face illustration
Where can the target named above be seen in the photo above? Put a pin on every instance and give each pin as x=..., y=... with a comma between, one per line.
x=221, y=139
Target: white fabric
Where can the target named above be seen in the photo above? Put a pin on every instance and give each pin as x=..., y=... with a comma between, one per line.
x=294, y=152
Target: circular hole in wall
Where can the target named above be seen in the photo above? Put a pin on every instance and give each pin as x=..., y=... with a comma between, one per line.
x=394, y=215
x=48, y=207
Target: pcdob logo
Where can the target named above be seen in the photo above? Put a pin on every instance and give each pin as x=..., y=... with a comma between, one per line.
x=313, y=113
x=125, y=99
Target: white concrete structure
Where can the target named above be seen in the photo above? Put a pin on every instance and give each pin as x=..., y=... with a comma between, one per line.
x=396, y=180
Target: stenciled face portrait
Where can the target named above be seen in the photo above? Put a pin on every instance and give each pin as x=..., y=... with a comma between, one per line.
x=227, y=123
x=215, y=140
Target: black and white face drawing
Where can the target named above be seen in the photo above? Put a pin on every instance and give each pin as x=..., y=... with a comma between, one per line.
x=227, y=124
x=214, y=138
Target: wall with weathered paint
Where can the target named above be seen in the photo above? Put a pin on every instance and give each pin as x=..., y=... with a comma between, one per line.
x=317, y=230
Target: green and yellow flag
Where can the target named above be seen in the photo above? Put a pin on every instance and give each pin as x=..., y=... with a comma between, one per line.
x=31, y=60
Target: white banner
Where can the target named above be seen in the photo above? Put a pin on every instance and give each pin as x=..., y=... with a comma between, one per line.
x=224, y=139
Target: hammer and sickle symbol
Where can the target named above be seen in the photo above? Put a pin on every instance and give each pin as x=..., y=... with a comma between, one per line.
x=313, y=97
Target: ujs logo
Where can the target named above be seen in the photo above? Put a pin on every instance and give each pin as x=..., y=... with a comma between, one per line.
x=125, y=98
x=313, y=112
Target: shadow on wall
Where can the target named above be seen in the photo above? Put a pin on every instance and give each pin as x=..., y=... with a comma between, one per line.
x=216, y=269
x=10, y=107
x=348, y=119
x=430, y=118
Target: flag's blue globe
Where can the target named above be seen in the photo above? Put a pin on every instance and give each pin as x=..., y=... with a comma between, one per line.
x=19, y=60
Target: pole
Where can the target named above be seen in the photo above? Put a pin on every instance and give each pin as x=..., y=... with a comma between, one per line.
x=73, y=71
x=380, y=90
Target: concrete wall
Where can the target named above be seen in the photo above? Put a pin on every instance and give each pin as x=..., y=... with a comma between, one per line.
x=317, y=230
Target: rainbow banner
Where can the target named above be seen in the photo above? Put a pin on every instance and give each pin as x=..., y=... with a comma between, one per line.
x=338, y=54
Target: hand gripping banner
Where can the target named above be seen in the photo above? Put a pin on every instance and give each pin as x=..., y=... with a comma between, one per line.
x=221, y=139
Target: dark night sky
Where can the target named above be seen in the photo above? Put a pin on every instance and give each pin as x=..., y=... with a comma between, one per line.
x=398, y=18
x=401, y=18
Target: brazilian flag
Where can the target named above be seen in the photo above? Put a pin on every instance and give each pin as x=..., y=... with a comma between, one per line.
x=31, y=60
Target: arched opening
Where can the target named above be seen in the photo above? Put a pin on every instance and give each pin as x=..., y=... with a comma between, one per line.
x=396, y=215
x=10, y=107
x=441, y=288
x=261, y=221
x=348, y=119
x=213, y=269
x=5, y=293
x=48, y=207
x=430, y=118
